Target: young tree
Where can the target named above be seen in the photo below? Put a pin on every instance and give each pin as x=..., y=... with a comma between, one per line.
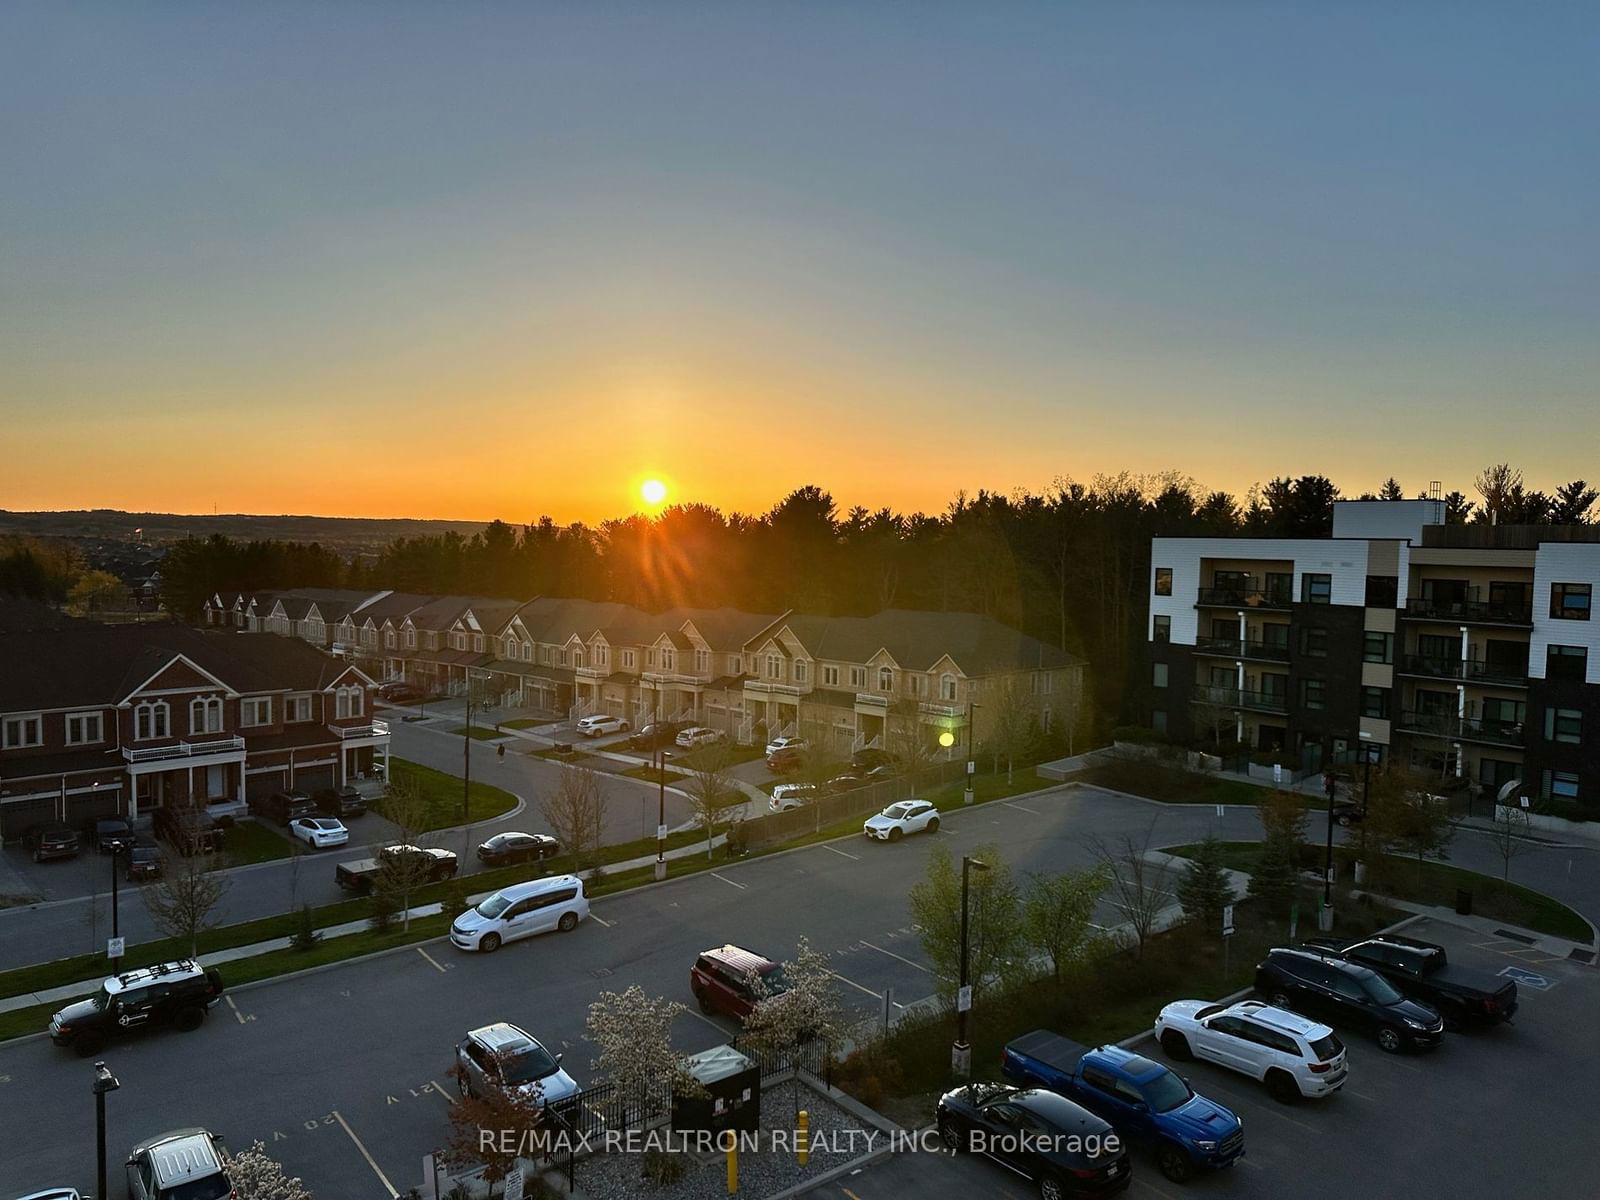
x=994, y=918
x=1011, y=721
x=576, y=810
x=255, y=1175
x=400, y=875
x=1204, y=888
x=633, y=1035
x=1510, y=836
x=1274, y=880
x=183, y=900
x=712, y=794
x=1283, y=814
x=513, y=1119
x=911, y=739
x=1139, y=886
x=1402, y=816
x=96, y=591
x=1057, y=912
x=807, y=1010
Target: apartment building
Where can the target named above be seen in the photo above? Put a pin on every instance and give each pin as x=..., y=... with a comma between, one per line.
x=1471, y=650
x=98, y=720
x=750, y=674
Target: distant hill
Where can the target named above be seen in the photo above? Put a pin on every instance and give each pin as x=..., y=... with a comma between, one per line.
x=346, y=534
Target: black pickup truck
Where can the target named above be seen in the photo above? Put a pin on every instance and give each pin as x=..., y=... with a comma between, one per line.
x=361, y=876
x=1421, y=970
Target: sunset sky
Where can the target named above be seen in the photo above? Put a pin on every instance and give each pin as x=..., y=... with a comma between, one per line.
x=475, y=260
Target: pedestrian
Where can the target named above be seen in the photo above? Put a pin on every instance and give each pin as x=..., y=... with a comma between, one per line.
x=500, y=750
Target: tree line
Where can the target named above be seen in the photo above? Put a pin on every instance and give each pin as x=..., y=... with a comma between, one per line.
x=1069, y=565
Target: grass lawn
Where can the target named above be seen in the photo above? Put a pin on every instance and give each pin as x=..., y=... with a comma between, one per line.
x=575, y=758
x=1157, y=781
x=477, y=733
x=523, y=723
x=651, y=775
x=985, y=788
x=1436, y=883
x=253, y=842
x=442, y=795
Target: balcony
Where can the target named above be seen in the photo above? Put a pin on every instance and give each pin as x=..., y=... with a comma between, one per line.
x=1246, y=597
x=873, y=699
x=1227, y=697
x=1234, y=648
x=1470, y=612
x=1469, y=670
x=1464, y=729
x=376, y=729
x=227, y=745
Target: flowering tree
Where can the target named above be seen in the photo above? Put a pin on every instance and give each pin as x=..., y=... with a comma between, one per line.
x=807, y=1009
x=492, y=1127
x=634, y=1034
x=256, y=1176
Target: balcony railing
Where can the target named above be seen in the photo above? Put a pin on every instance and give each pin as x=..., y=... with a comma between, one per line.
x=1479, y=611
x=1227, y=697
x=374, y=729
x=1469, y=670
x=1470, y=729
x=1234, y=648
x=182, y=750
x=876, y=699
x=1247, y=597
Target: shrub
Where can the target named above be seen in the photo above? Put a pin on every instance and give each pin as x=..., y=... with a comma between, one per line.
x=455, y=899
x=661, y=1168
x=305, y=934
x=1567, y=810
x=385, y=907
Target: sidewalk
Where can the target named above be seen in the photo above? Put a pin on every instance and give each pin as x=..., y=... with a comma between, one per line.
x=1497, y=930
x=73, y=991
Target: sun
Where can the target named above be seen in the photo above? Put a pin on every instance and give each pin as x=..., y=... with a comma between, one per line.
x=653, y=492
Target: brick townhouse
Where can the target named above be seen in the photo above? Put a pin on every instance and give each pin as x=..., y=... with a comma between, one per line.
x=750, y=674
x=97, y=719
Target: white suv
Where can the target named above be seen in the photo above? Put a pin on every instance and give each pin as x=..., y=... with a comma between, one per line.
x=598, y=724
x=1292, y=1055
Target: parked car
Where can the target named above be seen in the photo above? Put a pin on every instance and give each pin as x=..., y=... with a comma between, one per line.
x=190, y=830
x=899, y=819
x=144, y=861
x=501, y=1055
x=341, y=802
x=602, y=723
x=1292, y=1055
x=1322, y=984
x=866, y=759
x=1421, y=970
x=504, y=849
x=398, y=691
x=792, y=795
x=175, y=993
x=1143, y=1100
x=108, y=833
x=847, y=781
x=319, y=832
x=52, y=841
x=698, y=735
x=520, y=911
x=284, y=807
x=1060, y=1146
x=732, y=981
x=655, y=735
x=785, y=743
x=361, y=875
x=790, y=758
x=185, y=1164
x=53, y=1194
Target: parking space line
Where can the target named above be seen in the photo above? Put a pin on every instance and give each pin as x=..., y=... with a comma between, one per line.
x=1022, y=808
x=899, y=958
x=431, y=960
x=857, y=986
x=443, y=1095
x=235, y=1008
x=728, y=881
x=842, y=854
x=376, y=1170
x=694, y=1012
x=601, y=920
x=1152, y=1187
x=1350, y=1091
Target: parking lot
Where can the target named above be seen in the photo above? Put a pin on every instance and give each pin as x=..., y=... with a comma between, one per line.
x=1500, y=1112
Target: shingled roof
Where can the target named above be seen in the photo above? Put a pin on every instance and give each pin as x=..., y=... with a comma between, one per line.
x=977, y=644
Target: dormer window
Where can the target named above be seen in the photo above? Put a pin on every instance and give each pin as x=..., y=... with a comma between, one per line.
x=886, y=679
x=150, y=720
x=348, y=701
x=947, y=688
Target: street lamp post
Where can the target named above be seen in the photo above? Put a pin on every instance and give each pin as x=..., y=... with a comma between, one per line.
x=972, y=766
x=1325, y=916
x=961, y=1052
x=104, y=1081
x=661, y=812
x=116, y=931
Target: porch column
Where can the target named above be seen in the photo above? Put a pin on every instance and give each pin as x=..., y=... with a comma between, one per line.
x=239, y=789
x=1242, y=628
x=191, y=787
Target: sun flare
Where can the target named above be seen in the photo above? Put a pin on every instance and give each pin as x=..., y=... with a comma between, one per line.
x=653, y=492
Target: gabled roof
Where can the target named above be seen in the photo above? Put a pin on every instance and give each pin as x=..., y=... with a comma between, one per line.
x=917, y=641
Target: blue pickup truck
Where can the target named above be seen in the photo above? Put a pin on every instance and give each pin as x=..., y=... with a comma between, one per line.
x=1143, y=1100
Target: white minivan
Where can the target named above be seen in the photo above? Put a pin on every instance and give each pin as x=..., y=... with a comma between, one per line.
x=521, y=911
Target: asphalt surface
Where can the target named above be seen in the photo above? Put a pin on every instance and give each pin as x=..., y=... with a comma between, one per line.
x=1478, y=1118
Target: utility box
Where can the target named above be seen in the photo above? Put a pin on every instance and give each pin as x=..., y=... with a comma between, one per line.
x=1464, y=902
x=733, y=1093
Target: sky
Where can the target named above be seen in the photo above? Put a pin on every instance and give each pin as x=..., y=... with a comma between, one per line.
x=483, y=260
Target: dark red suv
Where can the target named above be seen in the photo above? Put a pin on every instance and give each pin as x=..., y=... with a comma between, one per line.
x=731, y=981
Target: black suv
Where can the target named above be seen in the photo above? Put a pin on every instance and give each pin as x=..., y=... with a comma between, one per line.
x=342, y=802
x=284, y=807
x=868, y=759
x=657, y=734
x=1463, y=996
x=190, y=830
x=1321, y=984
x=174, y=993
x=53, y=841
x=144, y=861
x=108, y=833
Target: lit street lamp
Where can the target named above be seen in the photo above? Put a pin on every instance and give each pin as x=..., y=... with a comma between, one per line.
x=104, y=1081
x=961, y=1052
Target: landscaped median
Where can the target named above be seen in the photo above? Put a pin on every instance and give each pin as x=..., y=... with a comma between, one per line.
x=441, y=795
x=1178, y=785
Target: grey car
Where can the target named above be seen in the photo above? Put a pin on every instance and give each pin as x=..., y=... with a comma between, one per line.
x=186, y=1164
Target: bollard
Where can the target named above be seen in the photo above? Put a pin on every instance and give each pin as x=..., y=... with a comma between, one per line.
x=802, y=1142
x=733, y=1162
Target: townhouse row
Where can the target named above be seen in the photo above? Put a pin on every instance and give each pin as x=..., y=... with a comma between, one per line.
x=859, y=681
x=1469, y=651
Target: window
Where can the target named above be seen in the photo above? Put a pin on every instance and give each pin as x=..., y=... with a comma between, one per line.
x=1377, y=647
x=1314, y=641
x=388, y=639
x=297, y=708
x=1316, y=589
x=886, y=679
x=602, y=655
x=735, y=665
x=527, y=651
x=150, y=720
x=83, y=728
x=577, y=658
x=914, y=684
x=858, y=677
x=1563, y=725
x=1558, y=785
x=668, y=659
x=411, y=639
x=1375, y=702
x=1158, y=675
x=1163, y=581
x=947, y=688
x=1570, y=601
x=205, y=715
x=23, y=731
x=1566, y=662
x=799, y=671
x=458, y=641
x=256, y=711
x=630, y=658
x=1160, y=628
x=1043, y=681
x=477, y=643
x=550, y=656
x=1158, y=720
x=702, y=662
x=830, y=676
x=1312, y=693
x=348, y=702
x=432, y=638
x=774, y=666
x=650, y=657
x=1383, y=591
